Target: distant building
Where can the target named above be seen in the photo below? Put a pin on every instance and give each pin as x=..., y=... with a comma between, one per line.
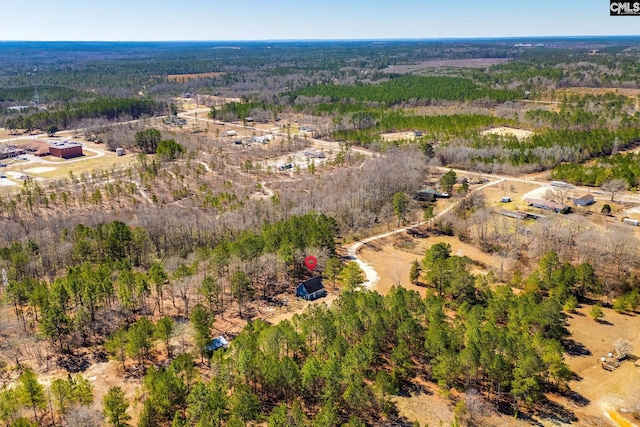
x=515, y=214
x=315, y=154
x=428, y=194
x=631, y=221
x=216, y=343
x=65, y=149
x=548, y=205
x=584, y=200
x=119, y=151
x=311, y=289
x=17, y=107
x=8, y=151
x=262, y=139
x=230, y=133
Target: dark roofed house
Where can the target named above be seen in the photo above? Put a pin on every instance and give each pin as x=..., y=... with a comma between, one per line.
x=428, y=194
x=311, y=289
x=584, y=200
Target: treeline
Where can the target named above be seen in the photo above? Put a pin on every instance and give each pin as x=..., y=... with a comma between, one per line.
x=406, y=88
x=46, y=93
x=364, y=127
x=543, y=150
x=619, y=166
x=584, y=112
x=70, y=115
x=517, y=71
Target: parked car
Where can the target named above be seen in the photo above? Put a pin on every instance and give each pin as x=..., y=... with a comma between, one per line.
x=285, y=167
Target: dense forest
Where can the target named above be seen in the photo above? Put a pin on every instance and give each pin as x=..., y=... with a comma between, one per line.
x=70, y=115
x=404, y=88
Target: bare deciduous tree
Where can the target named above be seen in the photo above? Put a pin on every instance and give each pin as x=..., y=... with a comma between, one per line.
x=558, y=194
x=614, y=186
x=623, y=347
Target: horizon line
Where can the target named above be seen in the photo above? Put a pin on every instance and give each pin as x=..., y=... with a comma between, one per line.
x=381, y=39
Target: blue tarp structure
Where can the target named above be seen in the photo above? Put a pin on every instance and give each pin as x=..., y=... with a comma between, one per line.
x=216, y=343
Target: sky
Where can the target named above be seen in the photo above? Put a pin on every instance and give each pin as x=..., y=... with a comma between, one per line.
x=164, y=20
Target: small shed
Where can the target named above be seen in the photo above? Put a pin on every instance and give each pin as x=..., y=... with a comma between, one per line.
x=311, y=289
x=216, y=343
x=230, y=133
x=584, y=200
x=631, y=221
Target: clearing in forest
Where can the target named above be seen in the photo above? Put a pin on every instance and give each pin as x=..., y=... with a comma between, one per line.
x=185, y=77
x=392, y=258
x=507, y=131
x=398, y=136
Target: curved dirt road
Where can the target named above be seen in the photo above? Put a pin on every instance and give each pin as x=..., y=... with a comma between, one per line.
x=371, y=275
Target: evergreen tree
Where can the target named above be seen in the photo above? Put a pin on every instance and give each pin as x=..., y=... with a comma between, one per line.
x=115, y=407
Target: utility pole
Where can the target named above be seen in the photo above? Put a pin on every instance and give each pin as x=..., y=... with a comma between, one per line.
x=197, y=106
x=35, y=83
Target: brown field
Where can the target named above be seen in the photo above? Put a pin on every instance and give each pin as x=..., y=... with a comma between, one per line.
x=184, y=77
x=513, y=189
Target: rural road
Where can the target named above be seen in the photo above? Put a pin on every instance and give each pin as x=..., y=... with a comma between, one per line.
x=371, y=275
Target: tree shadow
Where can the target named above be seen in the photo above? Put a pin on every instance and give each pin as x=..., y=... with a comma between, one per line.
x=604, y=322
x=576, y=398
x=557, y=413
x=574, y=348
x=100, y=356
x=74, y=363
x=575, y=313
x=417, y=233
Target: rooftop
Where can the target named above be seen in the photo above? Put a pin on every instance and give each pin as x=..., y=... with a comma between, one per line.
x=313, y=285
x=64, y=144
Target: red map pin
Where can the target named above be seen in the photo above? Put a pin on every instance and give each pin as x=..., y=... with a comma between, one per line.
x=310, y=262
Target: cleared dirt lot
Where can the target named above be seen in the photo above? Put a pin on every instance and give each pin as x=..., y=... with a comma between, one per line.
x=185, y=77
x=608, y=393
x=398, y=136
x=516, y=190
x=507, y=131
x=392, y=258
